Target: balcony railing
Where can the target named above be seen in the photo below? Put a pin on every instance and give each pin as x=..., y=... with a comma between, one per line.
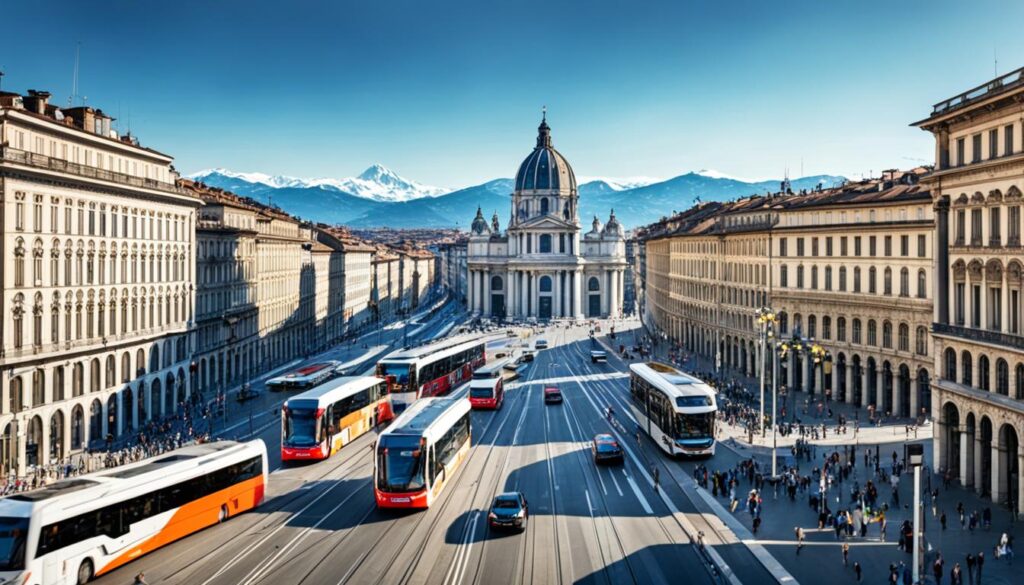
x=1011, y=340
x=1011, y=79
x=40, y=161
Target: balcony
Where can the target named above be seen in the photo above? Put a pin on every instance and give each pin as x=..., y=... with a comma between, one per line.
x=1002, y=83
x=1010, y=340
x=44, y=162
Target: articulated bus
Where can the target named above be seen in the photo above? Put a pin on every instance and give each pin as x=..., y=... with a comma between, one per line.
x=305, y=377
x=487, y=388
x=420, y=451
x=76, y=529
x=319, y=422
x=677, y=410
x=430, y=370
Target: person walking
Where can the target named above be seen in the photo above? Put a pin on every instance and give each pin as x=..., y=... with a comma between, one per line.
x=140, y=579
x=856, y=570
x=970, y=568
x=799, y=538
x=846, y=554
x=955, y=576
x=942, y=519
x=937, y=569
x=981, y=563
x=657, y=478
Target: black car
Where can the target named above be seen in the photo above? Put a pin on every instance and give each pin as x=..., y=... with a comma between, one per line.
x=552, y=395
x=509, y=510
x=606, y=449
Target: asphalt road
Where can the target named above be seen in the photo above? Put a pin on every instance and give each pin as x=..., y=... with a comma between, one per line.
x=588, y=524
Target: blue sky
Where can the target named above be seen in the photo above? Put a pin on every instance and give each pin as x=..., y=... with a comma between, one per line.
x=449, y=92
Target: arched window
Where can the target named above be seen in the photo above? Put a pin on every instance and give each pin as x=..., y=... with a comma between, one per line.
x=922, y=284
x=38, y=387
x=856, y=331
x=58, y=383
x=887, y=335
x=872, y=286
x=783, y=323
x=1002, y=377
x=94, y=375
x=950, y=357
x=19, y=262
x=496, y=283
x=826, y=327
x=904, y=282
x=16, y=400
x=966, y=376
x=126, y=367
x=545, y=242
x=18, y=314
x=904, y=337
x=593, y=285
x=545, y=284
x=856, y=279
x=842, y=279
x=1019, y=376
x=109, y=379
x=922, y=341
x=812, y=326
x=841, y=329
x=872, y=332
x=983, y=373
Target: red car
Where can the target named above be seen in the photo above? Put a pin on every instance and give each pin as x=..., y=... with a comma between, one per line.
x=552, y=395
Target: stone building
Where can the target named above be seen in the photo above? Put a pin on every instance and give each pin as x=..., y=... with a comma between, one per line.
x=384, y=283
x=849, y=267
x=541, y=266
x=98, y=284
x=979, y=342
x=452, y=263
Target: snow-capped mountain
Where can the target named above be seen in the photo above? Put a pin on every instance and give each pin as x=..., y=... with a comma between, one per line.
x=619, y=184
x=377, y=183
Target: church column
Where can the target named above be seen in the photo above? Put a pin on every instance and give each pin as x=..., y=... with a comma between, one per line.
x=469, y=290
x=524, y=302
x=556, y=294
x=849, y=383
x=567, y=294
x=914, y=389
x=486, y=275
x=577, y=292
x=510, y=294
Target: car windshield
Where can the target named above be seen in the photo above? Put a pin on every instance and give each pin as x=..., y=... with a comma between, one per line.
x=695, y=426
x=481, y=393
x=400, y=464
x=13, y=537
x=506, y=503
x=300, y=427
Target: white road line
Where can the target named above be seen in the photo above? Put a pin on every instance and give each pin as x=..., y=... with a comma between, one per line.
x=590, y=507
x=639, y=496
x=616, y=482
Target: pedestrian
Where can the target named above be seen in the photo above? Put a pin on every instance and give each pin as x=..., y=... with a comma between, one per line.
x=937, y=569
x=856, y=570
x=799, y=538
x=955, y=577
x=846, y=554
x=942, y=519
x=140, y=579
x=657, y=478
x=981, y=563
x=970, y=568
x=756, y=524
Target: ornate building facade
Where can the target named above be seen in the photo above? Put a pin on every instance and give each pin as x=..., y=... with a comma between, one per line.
x=540, y=266
x=98, y=241
x=849, y=267
x=979, y=339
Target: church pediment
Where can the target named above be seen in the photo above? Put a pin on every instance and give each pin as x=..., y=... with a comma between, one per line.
x=546, y=221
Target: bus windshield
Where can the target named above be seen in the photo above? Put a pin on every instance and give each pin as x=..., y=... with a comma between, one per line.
x=481, y=392
x=400, y=464
x=399, y=371
x=695, y=426
x=300, y=428
x=13, y=536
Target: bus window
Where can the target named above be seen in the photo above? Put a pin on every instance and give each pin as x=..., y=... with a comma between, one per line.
x=301, y=427
x=13, y=538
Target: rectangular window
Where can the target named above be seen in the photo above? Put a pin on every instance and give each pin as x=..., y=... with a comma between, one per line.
x=994, y=238
x=976, y=148
x=782, y=247
x=842, y=246
x=799, y=276
x=993, y=143
x=799, y=246
x=888, y=245
x=828, y=246
x=856, y=245
x=814, y=246
x=959, y=303
x=975, y=227
x=976, y=306
x=872, y=247
x=1008, y=140
x=783, y=277
x=995, y=318
x=1013, y=225
x=961, y=227
x=961, y=155
x=922, y=247
x=904, y=245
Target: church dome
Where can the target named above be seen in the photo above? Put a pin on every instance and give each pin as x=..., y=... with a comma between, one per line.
x=613, y=228
x=480, y=224
x=546, y=170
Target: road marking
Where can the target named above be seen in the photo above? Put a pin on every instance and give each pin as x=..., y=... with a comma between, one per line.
x=616, y=482
x=639, y=496
x=590, y=506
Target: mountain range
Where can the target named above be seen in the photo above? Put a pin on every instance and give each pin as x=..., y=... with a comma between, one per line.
x=380, y=197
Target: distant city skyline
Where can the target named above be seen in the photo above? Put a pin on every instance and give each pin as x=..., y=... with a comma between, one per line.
x=450, y=94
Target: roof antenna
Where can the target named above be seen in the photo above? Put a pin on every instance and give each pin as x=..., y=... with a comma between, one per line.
x=544, y=113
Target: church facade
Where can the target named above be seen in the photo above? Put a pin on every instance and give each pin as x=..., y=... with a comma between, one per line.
x=541, y=266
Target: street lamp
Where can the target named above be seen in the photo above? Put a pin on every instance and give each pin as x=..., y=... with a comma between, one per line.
x=766, y=320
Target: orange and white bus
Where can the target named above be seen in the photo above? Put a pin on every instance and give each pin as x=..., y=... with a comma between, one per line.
x=75, y=529
x=421, y=451
x=319, y=422
x=432, y=369
x=305, y=377
x=487, y=388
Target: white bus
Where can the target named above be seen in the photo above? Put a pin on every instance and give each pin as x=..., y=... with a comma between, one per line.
x=420, y=451
x=319, y=422
x=677, y=410
x=305, y=377
x=487, y=388
x=76, y=529
x=433, y=369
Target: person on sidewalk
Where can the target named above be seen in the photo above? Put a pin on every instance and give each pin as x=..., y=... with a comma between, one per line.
x=970, y=568
x=846, y=554
x=937, y=569
x=799, y=538
x=955, y=576
x=942, y=519
x=981, y=563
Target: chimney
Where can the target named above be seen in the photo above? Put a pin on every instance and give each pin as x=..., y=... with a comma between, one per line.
x=36, y=101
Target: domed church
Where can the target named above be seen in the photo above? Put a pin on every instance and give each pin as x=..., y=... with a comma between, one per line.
x=541, y=266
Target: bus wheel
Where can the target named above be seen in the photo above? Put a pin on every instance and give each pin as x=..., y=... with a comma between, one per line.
x=223, y=514
x=85, y=572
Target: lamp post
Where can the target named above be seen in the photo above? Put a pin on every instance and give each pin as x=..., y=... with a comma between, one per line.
x=782, y=349
x=766, y=320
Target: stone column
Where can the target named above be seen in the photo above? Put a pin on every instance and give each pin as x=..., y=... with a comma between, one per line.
x=566, y=293
x=556, y=294
x=470, y=297
x=510, y=294
x=835, y=381
x=897, y=394
x=577, y=291
x=808, y=364
x=486, y=275
x=791, y=372
x=941, y=247
x=965, y=448
x=863, y=386
x=998, y=489
x=1020, y=482
x=1004, y=292
x=914, y=390
x=849, y=383
x=879, y=385
x=976, y=460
